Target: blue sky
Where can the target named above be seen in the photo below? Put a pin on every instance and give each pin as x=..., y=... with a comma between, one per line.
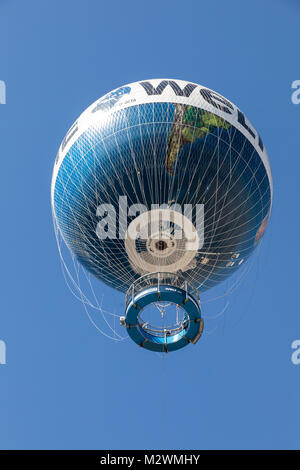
x=64, y=385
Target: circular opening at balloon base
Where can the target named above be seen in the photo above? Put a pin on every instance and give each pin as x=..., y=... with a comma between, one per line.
x=161, y=245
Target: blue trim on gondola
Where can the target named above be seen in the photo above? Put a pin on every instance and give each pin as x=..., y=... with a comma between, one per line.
x=170, y=342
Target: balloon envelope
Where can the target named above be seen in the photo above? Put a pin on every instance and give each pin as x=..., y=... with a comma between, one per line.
x=161, y=142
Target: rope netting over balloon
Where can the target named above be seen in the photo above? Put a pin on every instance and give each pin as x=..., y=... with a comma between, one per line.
x=97, y=298
x=160, y=157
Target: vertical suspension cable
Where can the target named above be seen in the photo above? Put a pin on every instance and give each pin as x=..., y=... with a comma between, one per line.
x=164, y=401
